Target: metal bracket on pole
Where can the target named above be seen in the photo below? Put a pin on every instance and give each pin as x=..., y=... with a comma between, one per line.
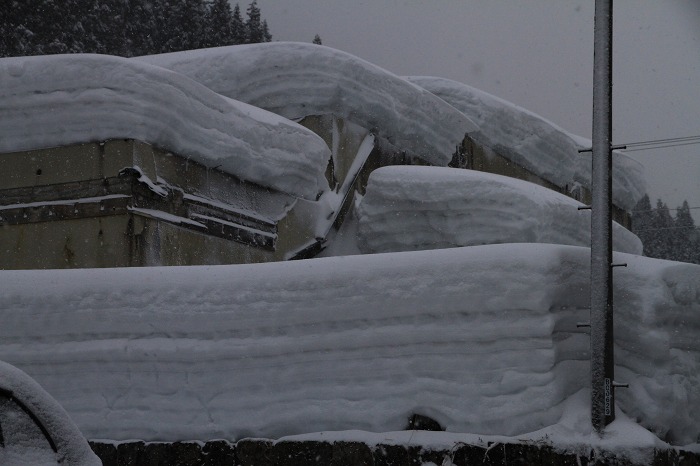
x=620, y=385
x=583, y=325
x=623, y=264
x=590, y=149
x=584, y=207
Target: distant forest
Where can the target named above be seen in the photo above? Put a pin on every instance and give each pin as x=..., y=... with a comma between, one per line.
x=666, y=236
x=125, y=27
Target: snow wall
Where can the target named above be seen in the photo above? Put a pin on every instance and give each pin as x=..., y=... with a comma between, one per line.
x=58, y=100
x=483, y=339
x=297, y=80
x=535, y=143
x=413, y=208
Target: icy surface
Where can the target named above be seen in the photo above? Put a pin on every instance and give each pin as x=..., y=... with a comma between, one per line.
x=67, y=99
x=413, y=208
x=481, y=338
x=297, y=80
x=535, y=143
x=22, y=440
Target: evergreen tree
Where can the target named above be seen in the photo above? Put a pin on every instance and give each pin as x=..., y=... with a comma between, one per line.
x=317, y=40
x=219, y=24
x=185, y=23
x=253, y=25
x=683, y=237
x=267, y=37
x=238, y=28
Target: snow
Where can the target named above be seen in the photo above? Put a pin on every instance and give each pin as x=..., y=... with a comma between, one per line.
x=535, y=143
x=296, y=80
x=59, y=100
x=23, y=443
x=412, y=208
x=483, y=339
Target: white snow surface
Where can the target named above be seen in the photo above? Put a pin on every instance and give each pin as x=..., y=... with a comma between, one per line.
x=58, y=100
x=297, y=80
x=408, y=208
x=483, y=339
x=24, y=443
x=534, y=142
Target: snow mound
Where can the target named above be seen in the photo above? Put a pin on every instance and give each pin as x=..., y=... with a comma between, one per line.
x=483, y=339
x=297, y=80
x=413, y=208
x=58, y=100
x=535, y=143
x=23, y=442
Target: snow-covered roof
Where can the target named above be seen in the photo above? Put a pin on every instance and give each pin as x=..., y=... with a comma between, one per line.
x=535, y=143
x=58, y=100
x=297, y=80
x=482, y=339
x=22, y=440
x=410, y=208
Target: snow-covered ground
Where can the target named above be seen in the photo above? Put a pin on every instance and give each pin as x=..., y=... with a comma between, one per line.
x=58, y=100
x=23, y=442
x=410, y=208
x=482, y=338
x=535, y=143
x=297, y=80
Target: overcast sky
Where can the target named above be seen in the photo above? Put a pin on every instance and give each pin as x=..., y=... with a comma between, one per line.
x=537, y=54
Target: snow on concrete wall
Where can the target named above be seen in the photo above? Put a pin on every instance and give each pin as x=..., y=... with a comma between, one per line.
x=297, y=80
x=58, y=100
x=483, y=339
x=535, y=143
x=414, y=208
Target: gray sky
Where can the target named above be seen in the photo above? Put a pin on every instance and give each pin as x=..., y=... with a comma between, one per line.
x=537, y=54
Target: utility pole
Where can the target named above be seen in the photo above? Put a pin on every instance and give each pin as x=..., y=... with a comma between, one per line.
x=602, y=359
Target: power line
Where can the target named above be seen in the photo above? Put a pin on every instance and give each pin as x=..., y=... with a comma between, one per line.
x=662, y=143
x=654, y=210
x=665, y=228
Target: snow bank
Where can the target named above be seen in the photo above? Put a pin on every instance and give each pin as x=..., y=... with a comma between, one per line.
x=22, y=441
x=483, y=339
x=413, y=208
x=66, y=99
x=535, y=143
x=297, y=80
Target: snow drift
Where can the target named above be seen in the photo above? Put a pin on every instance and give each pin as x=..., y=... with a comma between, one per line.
x=483, y=339
x=297, y=80
x=535, y=143
x=413, y=208
x=58, y=100
x=23, y=442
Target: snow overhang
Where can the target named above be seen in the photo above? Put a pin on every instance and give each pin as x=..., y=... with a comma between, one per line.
x=296, y=80
x=58, y=100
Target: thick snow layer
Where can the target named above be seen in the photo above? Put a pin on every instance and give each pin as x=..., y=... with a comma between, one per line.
x=23, y=442
x=297, y=80
x=66, y=99
x=413, y=208
x=482, y=338
x=535, y=143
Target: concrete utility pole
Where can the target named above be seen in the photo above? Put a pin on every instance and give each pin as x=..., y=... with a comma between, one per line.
x=602, y=360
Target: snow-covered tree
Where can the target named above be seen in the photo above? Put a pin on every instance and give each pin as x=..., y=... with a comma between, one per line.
x=317, y=40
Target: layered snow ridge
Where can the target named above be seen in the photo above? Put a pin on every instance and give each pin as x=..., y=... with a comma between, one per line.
x=296, y=80
x=483, y=339
x=535, y=143
x=59, y=100
x=413, y=208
